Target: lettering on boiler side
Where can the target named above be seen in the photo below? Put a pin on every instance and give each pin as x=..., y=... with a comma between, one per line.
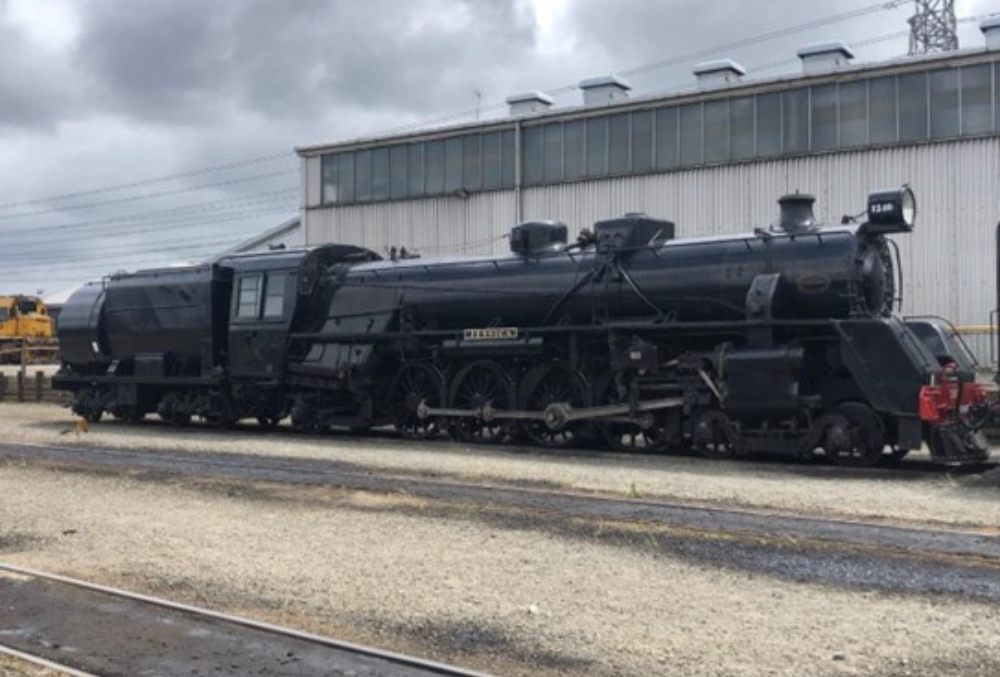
x=490, y=334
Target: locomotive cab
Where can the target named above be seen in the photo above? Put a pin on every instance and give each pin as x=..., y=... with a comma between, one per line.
x=264, y=294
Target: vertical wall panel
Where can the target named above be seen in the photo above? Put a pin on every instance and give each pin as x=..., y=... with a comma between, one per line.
x=311, y=175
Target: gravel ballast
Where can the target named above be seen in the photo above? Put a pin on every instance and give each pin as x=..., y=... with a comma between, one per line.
x=929, y=494
x=388, y=570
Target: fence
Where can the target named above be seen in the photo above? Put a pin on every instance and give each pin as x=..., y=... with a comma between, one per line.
x=28, y=351
x=30, y=387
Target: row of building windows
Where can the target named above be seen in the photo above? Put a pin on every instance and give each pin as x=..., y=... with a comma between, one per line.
x=895, y=109
x=472, y=162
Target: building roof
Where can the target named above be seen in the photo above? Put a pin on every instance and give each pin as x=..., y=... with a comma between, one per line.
x=267, y=237
x=744, y=87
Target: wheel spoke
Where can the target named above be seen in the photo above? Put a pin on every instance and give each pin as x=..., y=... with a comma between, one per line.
x=629, y=437
x=477, y=385
x=416, y=382
x=554, y=383
x=855, y=436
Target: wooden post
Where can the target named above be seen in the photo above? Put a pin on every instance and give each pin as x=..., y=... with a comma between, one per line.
x=39, y=382
x=20, y=386
x=3, y=387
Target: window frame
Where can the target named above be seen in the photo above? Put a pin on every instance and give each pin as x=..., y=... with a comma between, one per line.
x=269, y=279
x=255, y=303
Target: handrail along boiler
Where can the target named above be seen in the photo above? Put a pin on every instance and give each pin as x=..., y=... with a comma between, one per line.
x=782, y=340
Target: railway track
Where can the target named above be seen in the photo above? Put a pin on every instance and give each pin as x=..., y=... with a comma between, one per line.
x=851, y=553
x=88, y=630
x=61, y=668
x=911, y=466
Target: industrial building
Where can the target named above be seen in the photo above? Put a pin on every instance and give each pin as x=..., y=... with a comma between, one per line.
x=714, y=159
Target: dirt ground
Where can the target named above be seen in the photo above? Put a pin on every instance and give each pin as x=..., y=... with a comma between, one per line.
x=509, y=597
x=12, y=667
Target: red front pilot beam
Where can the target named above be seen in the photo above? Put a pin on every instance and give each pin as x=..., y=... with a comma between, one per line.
x=952, y=401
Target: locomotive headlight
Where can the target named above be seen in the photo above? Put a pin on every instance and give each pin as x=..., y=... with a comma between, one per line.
x=892, y=211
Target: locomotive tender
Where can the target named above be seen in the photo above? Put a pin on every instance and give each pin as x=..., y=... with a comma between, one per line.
x=779, y=341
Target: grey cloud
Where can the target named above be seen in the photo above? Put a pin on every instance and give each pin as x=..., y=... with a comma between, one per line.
x=157, y=60
x=179, y=61
x=36, y=90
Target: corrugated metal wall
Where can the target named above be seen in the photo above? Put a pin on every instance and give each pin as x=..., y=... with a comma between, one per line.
x=949, y=261
x=435, y=226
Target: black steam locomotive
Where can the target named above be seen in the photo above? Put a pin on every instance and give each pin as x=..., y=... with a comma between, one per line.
x=779, y=341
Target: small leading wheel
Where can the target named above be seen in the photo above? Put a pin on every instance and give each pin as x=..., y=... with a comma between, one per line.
x=643, y=433
x=483, y=386
x=172, y=410
x=556, y=383
x=129, y=414
x=713, y=437
x=416, y=383
x=268, y=422
x=897, y=454
x=855, y=437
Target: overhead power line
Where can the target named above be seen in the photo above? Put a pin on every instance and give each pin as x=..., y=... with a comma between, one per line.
x=147, y=196
x=288, y=195
x=682, y=58
x=118, y=247
x=152, y=181
x=764, y=37
x=459, y=115
x=150, y=227
x=141, y=252
x=138, y=256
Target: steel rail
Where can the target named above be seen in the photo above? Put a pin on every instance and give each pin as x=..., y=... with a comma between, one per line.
x=45, y=663
x=199, y=612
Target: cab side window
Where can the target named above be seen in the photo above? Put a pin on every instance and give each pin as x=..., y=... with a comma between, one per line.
x=274, y=295
x=248, y=297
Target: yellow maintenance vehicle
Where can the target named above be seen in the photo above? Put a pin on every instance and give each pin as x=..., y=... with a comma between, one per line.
x=26, y=330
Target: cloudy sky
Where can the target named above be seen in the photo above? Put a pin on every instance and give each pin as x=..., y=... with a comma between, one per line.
x=142, y=132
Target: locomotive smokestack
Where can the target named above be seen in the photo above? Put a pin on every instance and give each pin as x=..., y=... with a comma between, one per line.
x=797, y=213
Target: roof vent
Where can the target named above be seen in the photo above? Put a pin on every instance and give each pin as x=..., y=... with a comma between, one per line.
x=719, y=73
x=535, y=238
x=825, y=56
x=632, y=231
x=991, y=31
x=604, y=91
x=797, y=213
x=529, y=103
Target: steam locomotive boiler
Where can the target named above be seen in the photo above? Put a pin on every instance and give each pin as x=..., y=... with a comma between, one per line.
x=781, y=340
